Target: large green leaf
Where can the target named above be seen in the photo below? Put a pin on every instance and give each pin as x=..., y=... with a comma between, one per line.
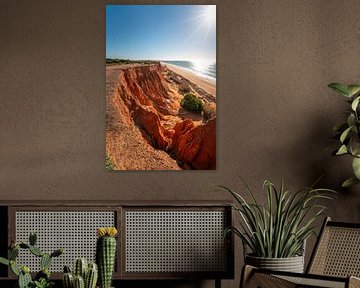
x=340, y=88
x=349, y=182
x=356, y=167
x=342, y=150
x=355, y=103
x=353, y=89
x=345, y=134
x=354, y=145
x=351, y=120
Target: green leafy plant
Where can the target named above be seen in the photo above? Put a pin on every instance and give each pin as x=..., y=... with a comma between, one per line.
x=348, y=132
x=43, y=283
x=42, y=278
x=279, y=229
x=192, y=103
x=109, y=165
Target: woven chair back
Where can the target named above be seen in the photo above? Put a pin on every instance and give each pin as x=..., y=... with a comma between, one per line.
x=337, y=252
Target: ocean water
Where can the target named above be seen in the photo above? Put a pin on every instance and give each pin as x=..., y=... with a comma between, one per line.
x=204, y=69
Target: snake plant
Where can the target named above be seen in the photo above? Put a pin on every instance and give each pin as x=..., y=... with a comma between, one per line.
x=348, y=132
x=280, y=228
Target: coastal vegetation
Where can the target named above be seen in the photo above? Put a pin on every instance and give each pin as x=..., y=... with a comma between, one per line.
x=109, y=164
x=116, y=61
x=192, y=103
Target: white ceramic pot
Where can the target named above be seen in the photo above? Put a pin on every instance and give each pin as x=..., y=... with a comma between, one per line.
x=291, y=264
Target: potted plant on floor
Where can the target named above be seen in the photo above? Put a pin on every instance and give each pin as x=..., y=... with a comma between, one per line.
x=276, y=233
x=348, y=132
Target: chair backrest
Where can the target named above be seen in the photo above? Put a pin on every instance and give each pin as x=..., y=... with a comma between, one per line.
x=337, y=251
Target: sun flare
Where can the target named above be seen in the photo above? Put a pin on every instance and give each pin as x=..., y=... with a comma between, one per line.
x=209, y=14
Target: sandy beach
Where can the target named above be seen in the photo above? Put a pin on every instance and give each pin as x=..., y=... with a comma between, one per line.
x=206, y=84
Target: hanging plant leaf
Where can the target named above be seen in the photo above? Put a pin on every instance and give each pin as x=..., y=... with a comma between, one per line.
x=356, y=167
x=351, y=120
x=345, y=134
x=355, y=103
x=353, y=89
x=342, y=150
x=349, y=182
x=354, y=145
x=340, y=88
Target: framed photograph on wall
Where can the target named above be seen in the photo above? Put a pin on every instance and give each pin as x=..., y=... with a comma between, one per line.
x=161, y=87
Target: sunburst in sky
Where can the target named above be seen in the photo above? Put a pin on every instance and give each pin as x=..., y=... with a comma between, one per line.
x=161, y=32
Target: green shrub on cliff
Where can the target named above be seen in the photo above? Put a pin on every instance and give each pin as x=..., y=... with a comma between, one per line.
x=109, y=164
x=192, y=103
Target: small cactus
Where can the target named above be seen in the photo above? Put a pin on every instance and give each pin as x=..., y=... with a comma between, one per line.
x=4, y=261
x=89, y=272
x=67, y=278
x=14, y=268
x=79, y=282
x=45, y=261
x=91, y=276
x=13, y=253
x=32, y=238
x=80, y=268
x=36, y=251
x=24, y=278
x=106, y=254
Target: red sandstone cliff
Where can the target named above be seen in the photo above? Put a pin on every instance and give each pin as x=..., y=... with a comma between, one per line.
x=143, y=122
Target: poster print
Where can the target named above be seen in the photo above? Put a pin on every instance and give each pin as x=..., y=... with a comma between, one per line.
x=160, y=87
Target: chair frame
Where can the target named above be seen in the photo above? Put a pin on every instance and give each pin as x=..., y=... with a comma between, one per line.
x=269, y=279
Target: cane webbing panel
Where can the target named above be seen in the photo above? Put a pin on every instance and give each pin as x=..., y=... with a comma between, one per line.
x=338, y=252
x=305, y=282
x=175, y=241
x=75, y=231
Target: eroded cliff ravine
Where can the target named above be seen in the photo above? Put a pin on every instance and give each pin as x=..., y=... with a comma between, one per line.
x=146, y=127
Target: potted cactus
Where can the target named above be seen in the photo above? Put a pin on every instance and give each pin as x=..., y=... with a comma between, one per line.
x=106, y=254
x=85, y=275
x=42, y=278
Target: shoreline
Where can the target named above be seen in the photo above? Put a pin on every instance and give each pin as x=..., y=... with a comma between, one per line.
x=203, y=82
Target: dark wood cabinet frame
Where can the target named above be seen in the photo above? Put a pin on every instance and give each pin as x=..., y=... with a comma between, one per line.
x=9, y=208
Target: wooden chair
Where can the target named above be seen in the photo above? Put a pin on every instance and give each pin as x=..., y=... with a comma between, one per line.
x=335, y=262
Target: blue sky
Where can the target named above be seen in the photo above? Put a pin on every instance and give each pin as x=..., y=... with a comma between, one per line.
x=161, y=32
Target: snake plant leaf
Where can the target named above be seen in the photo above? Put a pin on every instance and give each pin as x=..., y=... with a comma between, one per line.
x=355, y=103
x=340, y=88
x=356, y=167
x=345, y=134
x=342, y=150
x=349, y=182
x=353, y=89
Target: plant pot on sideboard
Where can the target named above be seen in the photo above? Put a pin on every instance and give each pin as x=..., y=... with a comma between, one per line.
x=290, y=264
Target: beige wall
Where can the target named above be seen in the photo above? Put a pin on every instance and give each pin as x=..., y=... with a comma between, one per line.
x=275, y=112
